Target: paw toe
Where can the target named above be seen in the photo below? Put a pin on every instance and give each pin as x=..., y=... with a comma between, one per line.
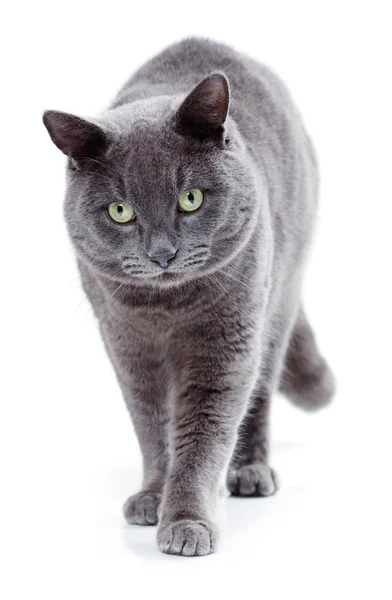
x=252, y=480
x=142, y=508
x=187, y=538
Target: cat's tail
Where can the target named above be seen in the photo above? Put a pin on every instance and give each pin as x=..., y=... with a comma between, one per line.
x=306, y=378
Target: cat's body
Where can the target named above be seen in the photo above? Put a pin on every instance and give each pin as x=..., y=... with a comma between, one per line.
x=200, y=342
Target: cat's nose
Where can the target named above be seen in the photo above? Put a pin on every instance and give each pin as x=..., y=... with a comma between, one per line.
x=162, y=256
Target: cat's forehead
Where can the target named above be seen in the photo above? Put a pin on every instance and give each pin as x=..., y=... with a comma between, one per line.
x=141, y=115
x=147, y=153
x=143, y=133
x=147, y=149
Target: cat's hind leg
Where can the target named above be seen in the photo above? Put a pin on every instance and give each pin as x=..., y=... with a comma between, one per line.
x=304, y=377
x=249, y=473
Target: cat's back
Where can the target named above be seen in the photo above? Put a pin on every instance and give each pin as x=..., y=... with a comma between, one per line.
x=255, y=89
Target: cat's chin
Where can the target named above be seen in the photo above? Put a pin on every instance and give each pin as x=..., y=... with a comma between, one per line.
x=166, y=279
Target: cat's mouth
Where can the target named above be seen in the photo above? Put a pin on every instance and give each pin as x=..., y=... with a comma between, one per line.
x=169, y=279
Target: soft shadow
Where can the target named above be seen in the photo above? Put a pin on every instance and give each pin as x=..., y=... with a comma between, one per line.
x=142, y=542
x=235, y=516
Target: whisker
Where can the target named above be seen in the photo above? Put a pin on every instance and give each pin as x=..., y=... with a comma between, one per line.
x=214, y=280
x=98, y=174
x=101, y=164
x=117, y=289
x=78, y=286
x=82, y=301
x=226, y=274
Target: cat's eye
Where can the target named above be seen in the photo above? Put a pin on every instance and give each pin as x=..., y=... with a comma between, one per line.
x=121, y=212
x=190, y=200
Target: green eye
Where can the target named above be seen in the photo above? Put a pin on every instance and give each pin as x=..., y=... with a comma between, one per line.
x=121, y=212
x=190, y=200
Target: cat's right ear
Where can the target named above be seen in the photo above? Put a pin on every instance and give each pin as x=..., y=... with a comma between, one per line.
x=76, y=137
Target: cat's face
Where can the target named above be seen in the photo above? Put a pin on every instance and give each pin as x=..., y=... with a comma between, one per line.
x=158, y=195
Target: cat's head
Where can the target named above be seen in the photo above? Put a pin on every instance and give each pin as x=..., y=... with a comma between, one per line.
x=159, y=191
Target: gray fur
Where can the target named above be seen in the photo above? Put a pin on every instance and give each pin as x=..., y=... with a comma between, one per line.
x=199, y=346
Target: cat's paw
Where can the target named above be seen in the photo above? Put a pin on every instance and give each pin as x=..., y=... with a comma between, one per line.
x=252, y=480
x=142, y=508
x=188, y=538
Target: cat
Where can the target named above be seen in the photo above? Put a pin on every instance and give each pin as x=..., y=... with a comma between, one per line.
x=191, y=204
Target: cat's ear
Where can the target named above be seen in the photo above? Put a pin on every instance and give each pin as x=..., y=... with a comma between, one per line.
x=76, y=137
x=204, y=111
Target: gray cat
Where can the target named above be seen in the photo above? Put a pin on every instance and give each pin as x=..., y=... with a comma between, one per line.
x=191, y=204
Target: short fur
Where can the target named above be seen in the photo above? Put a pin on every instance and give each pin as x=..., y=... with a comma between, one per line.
x=199, y=344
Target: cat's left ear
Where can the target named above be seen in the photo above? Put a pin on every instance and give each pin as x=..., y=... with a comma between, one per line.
x=204, y=111
x=76, y=137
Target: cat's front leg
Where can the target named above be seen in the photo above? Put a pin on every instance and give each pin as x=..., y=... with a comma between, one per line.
x=211, y=398
x=142, y=376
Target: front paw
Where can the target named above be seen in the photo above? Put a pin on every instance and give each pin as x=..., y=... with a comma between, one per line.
x=188, y=538
x=252, y=480
x=142, y=508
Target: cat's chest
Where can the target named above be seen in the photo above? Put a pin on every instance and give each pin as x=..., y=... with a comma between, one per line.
x=153, y=325
x=162, y=322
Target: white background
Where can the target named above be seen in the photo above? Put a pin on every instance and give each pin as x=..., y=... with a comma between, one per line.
x=68, y=451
